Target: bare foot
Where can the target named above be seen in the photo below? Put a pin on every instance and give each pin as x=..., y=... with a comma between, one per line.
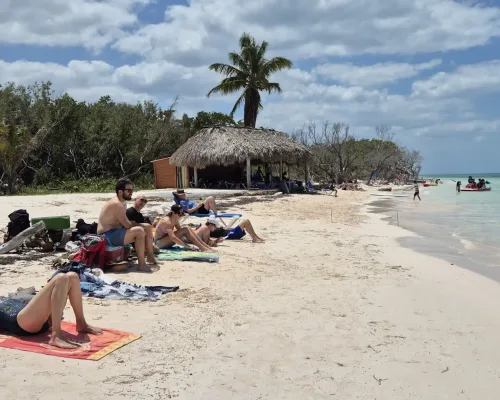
x=152, y=261
x=144, y=268
x=62, y=344
x=88, y=329
x=258, y=240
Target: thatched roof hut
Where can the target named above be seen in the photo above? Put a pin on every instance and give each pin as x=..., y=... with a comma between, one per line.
x=227, y=145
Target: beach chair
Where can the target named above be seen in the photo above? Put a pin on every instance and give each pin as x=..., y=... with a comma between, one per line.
x=233, y=217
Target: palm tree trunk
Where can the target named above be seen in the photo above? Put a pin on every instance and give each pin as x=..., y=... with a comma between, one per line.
x=252, y=100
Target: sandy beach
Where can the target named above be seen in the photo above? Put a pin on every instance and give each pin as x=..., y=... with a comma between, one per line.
x=329, y=307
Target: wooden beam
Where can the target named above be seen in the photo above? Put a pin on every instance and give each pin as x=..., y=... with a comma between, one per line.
x=195, y=177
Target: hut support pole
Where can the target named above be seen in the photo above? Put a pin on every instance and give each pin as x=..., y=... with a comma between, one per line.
x=281, y=169
x=306, y=173
x=195, y=177
x=249, y=173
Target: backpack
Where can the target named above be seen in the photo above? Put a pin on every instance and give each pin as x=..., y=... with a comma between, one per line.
x=84, y=228
x=19, y=221
x=93, y=251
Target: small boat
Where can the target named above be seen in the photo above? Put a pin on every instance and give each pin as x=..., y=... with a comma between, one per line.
x=466, y=189
x=430, y=184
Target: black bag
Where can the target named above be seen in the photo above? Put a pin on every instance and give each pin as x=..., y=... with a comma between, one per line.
x=84, y=228
x=19, y=221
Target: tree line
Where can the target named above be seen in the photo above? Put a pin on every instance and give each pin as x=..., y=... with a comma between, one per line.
x=45, y=139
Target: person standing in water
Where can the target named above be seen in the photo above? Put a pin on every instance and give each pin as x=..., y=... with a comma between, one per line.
x=417, y=191
x=458, y=186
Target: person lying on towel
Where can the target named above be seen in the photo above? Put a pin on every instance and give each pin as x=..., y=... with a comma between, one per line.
x=120, y=231
x=238, y=232
x=169, y=232
x=191, y=207
x=44, y=311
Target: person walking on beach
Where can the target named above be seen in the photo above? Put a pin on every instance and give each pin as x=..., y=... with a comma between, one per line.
x=417, y=191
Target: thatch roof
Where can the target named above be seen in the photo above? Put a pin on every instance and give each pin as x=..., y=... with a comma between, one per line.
x=227, y=145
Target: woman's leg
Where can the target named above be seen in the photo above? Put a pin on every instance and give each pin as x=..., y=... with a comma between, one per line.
x=246, y=225
x=50, y=302
x=193, y=238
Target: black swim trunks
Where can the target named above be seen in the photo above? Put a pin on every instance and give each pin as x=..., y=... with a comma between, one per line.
x=9, y=309
x=202, y=210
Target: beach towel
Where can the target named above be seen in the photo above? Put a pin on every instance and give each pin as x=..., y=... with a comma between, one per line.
x=92, y=347
x=186, y=255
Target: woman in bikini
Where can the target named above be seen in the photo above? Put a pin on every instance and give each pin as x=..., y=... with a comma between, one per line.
x=165, y=236
x=44, y=311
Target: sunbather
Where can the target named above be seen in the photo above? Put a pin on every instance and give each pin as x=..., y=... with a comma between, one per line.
x=134, y=213
x=191, y=207
x=235, y=233
x=119, y=231
x=165, y=236
x=45, y=311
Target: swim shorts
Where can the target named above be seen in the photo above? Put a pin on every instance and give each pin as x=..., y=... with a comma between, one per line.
x=116, y=237
x=235, y=233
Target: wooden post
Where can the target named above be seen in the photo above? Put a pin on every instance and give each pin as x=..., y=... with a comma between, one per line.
x=249, y=173
x=281, y=170
x=195, y=177
x=306, y=172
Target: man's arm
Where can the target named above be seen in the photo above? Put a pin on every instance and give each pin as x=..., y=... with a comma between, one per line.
x=122, y=217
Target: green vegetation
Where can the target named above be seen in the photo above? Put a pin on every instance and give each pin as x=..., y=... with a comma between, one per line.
x=250, y=71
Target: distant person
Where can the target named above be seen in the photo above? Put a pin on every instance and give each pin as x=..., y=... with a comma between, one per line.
x=417, y=191
x=134, y=213
x=191, y=207
x=259, y=174
x=458, y=186
x=120, y=231
x=268, y=175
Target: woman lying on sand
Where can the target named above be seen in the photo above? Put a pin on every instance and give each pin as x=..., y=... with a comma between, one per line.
x=203, y=232
x=165, y=236
x=45, y=310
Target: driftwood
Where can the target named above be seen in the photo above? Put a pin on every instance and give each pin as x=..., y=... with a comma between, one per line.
x=22, y=237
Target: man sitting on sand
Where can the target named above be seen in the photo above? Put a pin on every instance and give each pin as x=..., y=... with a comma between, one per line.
x=119, y=231
x=44, y=311
x=238, y=232
x=191, y=207
x=169, y=232
x=134, y=213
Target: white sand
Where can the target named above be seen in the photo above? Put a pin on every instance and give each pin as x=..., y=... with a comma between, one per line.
x=322, y=310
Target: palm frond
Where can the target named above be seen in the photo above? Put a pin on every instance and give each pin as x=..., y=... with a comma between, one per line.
x=276, y=64
x=237, y=104
x=224, y=69
x=228, y=85
x=271, y=87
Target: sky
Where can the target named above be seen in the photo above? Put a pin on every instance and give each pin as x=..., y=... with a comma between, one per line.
x=425, y=68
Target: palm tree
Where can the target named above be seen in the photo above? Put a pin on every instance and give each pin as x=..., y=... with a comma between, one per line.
x=250, y=71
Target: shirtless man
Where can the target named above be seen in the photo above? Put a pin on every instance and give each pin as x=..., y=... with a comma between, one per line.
x=238, y=232
x=115, y=226
x=165, y=236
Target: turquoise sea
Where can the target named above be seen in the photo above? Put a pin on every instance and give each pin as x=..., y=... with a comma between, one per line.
x=461, y=228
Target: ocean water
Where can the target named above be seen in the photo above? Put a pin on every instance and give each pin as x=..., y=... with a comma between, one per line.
x=462, y=228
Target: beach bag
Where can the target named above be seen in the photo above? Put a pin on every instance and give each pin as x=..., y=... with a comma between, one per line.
x=93, y=251
x=19, y=221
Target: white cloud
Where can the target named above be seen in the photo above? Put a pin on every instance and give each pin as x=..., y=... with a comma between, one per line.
x=481, y=77
x=88, y=80
x=204, y=31
x=372, y=75
x=92, y=24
